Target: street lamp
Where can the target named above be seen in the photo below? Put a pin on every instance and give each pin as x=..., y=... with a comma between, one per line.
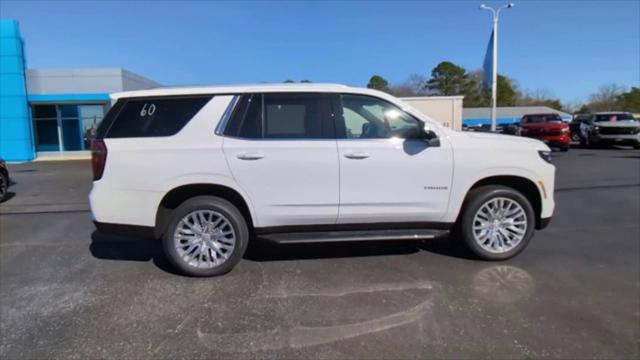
x=494, y=80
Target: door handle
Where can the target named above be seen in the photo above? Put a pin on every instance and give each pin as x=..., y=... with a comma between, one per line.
x=250, y=156
x=357, y=155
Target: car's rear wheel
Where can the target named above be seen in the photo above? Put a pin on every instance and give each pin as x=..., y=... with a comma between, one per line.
x=497, y=222
x=206, y=236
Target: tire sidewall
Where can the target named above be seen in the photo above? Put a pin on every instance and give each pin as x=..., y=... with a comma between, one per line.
x=217, y=204
x=477, y=199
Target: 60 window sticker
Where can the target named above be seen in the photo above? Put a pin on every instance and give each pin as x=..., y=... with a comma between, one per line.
x=147, y=109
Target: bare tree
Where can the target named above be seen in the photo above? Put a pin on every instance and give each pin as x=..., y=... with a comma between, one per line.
x=606, y=98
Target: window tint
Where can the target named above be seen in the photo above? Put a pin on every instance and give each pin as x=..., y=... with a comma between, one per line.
x=154, y=117
x=367, y=117
x=297, y=116
x=246, y=120
x=541, y=118
x=614, y=117
x=281, y=116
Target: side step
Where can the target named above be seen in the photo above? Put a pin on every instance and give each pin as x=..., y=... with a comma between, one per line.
x=340, y=236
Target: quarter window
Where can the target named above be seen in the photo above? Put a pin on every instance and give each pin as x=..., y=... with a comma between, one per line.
x=367, y=117
x=150, y=117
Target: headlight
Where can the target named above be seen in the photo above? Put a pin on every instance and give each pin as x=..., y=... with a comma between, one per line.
x=564, y=130
x=545, y=155
x=596, y=128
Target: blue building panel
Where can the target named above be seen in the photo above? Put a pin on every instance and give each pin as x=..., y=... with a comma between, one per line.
x=16, y=139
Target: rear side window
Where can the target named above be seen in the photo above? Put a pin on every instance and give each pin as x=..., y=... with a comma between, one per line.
x=282, y=116
x=151, y=117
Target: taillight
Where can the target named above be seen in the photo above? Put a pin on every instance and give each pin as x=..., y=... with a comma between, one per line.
x=98, y=158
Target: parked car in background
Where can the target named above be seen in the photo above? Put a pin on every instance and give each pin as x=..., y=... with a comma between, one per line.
x=548, y=128
x=610, y=128
x=307, y=163
x=4, y=180
x=574, y=126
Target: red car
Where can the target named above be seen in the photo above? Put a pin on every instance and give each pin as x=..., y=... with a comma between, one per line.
x=548, y=128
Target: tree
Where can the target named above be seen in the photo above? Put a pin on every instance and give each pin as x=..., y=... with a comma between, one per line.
x=305, y=81
x=413, y=86
x=606, y=98
x=379, y=83
x=449, y=79
x=539, y=97
x=288, y=81
x=630, y=101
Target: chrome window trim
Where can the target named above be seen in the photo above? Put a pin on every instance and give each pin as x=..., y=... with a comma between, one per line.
x=222, y=125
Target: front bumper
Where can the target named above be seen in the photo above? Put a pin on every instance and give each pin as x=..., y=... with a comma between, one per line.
x=554, y=140
x=631, y=139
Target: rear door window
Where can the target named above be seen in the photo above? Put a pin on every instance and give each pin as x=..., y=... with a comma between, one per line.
x=282, y=116
x=152, y=117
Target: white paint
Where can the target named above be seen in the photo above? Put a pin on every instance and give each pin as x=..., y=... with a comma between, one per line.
x=294, y=182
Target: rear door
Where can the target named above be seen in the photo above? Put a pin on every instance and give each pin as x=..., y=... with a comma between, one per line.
x=282, y=151
x=387, y=172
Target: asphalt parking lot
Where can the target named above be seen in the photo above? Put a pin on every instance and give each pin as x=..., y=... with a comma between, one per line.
x=68, y=292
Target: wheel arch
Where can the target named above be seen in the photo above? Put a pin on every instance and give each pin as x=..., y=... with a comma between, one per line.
x=525, y=186
x=176, y=196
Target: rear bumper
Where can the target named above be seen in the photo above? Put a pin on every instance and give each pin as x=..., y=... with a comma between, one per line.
x=125, y=230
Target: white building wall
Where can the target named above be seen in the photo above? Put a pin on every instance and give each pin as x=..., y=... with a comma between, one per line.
x=447, y=110
x=84, y=81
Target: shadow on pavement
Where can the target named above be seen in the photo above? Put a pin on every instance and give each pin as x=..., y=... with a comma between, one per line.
x=124, y=248
x=262, y=250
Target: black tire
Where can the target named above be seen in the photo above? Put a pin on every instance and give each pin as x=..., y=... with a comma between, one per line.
x=636, y=146
x=575, y=137
x=564, y=148
x=4, y=186
x=475, y=200
x=222, y=206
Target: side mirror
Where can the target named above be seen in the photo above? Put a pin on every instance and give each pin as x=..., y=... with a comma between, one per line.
x=430, y=136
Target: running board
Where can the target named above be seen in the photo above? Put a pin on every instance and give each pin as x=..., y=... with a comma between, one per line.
x=346, y=236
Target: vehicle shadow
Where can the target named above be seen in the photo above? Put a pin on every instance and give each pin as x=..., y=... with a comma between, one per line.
x=125, y=248
x=10, y=195
x=447, y=246
x=263, y=250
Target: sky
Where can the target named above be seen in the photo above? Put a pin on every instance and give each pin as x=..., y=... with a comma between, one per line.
x=566, y=48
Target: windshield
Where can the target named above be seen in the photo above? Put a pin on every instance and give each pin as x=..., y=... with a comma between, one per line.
x=614, y=117
x=541, y=118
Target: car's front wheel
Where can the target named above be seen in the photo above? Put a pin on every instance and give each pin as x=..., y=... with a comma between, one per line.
x=497, y=222
x=206, y=236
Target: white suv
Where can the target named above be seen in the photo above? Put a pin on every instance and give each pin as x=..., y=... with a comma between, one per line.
x=209, y=168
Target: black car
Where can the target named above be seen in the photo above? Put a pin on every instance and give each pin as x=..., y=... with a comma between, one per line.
x=4, y=180
x=574, y=125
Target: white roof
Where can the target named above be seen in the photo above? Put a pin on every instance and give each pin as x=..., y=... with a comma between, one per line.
x=236, y=89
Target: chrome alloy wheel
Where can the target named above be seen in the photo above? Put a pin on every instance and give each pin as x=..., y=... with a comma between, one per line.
x=204, y=239
x=499, y=225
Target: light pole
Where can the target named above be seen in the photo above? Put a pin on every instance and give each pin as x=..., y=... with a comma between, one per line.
x=494, y=72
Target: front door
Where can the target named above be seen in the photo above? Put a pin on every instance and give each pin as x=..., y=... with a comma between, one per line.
x=281, y=149
x=387, y=172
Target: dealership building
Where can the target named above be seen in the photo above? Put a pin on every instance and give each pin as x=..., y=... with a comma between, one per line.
x=45, y=111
